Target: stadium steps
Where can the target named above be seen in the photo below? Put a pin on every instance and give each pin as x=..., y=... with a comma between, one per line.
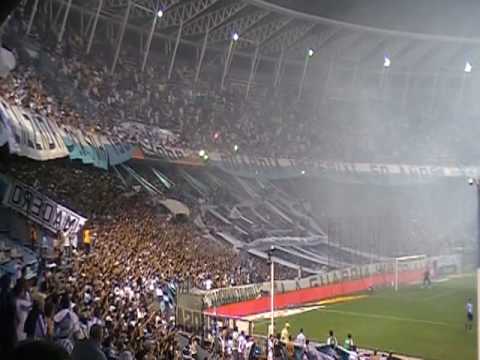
x=326, y=260
x=311, y=261
x=263, y=255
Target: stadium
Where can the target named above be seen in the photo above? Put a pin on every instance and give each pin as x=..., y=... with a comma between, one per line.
x=239, y=179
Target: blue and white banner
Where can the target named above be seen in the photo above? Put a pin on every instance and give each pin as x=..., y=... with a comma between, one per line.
x=86, y=146
x=118, y=151
x=40, y=138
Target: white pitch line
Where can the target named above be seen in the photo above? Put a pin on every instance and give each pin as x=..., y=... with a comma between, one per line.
x=440, y=295
x=387, y=317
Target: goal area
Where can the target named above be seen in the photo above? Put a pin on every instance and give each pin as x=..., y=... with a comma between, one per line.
x=407, y=264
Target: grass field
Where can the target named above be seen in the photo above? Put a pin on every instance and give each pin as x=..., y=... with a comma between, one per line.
x=428, y=323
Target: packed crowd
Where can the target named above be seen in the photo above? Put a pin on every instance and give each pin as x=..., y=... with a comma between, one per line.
x=108, y=296
x=125, y=216
x=78, y=88
x=205, y=116
x=64, y=83
x=232, y=343
x=121, y=279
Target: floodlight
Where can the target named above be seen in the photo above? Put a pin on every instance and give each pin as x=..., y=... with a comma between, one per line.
x=386, y=62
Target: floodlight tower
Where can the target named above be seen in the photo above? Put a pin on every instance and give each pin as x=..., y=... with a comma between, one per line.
x=308, y=54
x=228, y=60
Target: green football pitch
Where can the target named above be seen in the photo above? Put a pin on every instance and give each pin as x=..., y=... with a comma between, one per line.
x=428, y=323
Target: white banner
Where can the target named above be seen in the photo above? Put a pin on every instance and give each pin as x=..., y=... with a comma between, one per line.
x=41, y=209
x=294, y=167
x=32, y=135
x=343, y=275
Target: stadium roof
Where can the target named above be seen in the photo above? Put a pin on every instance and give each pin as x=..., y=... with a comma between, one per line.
x=329, y=27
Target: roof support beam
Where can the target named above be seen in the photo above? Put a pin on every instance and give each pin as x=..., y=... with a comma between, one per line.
x=263, y=32
x=186, y=12
x=115, y=19
x=315, y=42
x=287, y=39
x=212, y=20
x=240, y=26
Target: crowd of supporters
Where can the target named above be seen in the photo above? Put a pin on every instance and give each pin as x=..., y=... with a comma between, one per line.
x=111, y=294
x=119, y=280
x=78, y=89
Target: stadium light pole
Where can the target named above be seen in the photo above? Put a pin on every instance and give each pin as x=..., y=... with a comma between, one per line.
x=94, y=26
x=253, y=70
x=202, y=55
x=157, y=15
x=278, y=69
x=235, y=37
x=386, y=65
x=64, y=21
x=466, y=72
x=308, y=55
x=175, y=49
x=120, y=38
x=32, y=16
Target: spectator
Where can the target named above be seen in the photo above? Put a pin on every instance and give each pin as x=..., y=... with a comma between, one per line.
x=242, y=343
x=349, y=343
x=235, y=336
x=300, y=344
x=90, y=348
x=39, y=349
x=8, y=332
x=285, y=333
x=279, y=352
x=332, y=340
x=270, y=345
x=23, y=304
x=376, y=355
x=186, y=352
x=249, y=348
x=194, y=348
x=65, y=324
x=35, y=324
x=49, y=314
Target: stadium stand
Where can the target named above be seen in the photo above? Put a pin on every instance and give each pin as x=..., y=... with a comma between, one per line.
x=148, y=229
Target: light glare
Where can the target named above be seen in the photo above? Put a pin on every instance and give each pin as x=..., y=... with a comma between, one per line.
x=468, y=67
x=386, y=62
x=235, y=37
x=160, y=13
